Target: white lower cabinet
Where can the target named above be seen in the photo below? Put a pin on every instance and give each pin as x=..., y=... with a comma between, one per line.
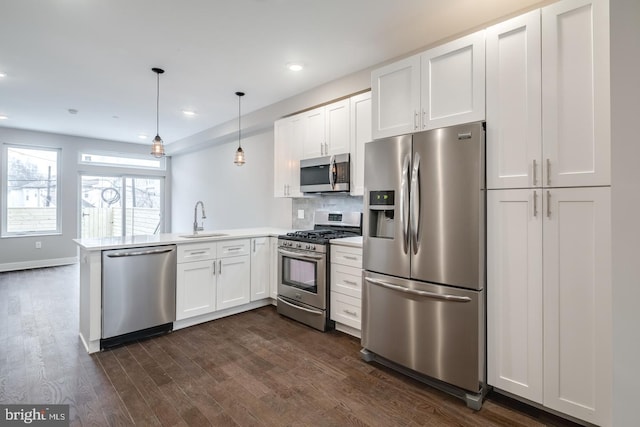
x=273, y=274
x=195, y=280
x=212, y=276
x=260, y=268
x=233, y=287
x=549, y=304
x=346, y=288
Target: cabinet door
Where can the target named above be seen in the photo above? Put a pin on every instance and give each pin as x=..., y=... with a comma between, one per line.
x=575, y=93
x=287, y=151
x=260, y=268
x=281, y=156
x=273, y=265
x=453, y=82
x=234, y=282
x=314, y=137
x=514, y=125
x=336, y=117
x=360, y=135
x=195, y=289
x=514, y=303
x=395, y=94
x=577, y=303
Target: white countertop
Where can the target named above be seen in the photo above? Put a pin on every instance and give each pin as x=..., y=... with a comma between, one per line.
x=99, y=244
x=355, y=242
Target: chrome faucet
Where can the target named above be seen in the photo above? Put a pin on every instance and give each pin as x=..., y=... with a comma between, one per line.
x=197, y=228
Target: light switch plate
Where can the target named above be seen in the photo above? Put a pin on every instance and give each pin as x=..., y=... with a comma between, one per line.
x=300, y=213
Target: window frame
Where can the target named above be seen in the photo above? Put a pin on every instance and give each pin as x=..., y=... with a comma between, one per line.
x=4, y=203
x=81, y=162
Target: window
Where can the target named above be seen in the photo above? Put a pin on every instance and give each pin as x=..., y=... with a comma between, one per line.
x=121, y=160
x=31, y=191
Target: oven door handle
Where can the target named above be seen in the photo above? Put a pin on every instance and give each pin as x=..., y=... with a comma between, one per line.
x=434, y=295
x=299, y=307
x=300, y=255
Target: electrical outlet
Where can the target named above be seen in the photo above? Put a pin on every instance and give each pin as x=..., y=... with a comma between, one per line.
x=300, y=213
x=38, y=245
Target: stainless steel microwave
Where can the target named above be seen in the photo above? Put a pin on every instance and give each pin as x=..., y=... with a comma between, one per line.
x=325, y=174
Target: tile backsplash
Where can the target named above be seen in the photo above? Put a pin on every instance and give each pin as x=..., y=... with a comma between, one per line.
x=331, y=202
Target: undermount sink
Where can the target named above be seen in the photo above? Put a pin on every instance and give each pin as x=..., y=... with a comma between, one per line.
x=200, y=235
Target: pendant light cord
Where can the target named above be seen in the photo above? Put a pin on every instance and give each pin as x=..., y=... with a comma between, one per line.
x=158, y=104
x=239, y=139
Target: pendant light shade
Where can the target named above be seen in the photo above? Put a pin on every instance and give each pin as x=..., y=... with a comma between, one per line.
x=239, y=157
x=157, y=148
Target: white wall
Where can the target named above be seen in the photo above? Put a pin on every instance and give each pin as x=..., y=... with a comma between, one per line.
x=625, y=210
x=234, y=196
x=20, y=252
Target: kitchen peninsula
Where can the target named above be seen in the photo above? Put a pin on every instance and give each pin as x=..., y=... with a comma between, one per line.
x=202, y=293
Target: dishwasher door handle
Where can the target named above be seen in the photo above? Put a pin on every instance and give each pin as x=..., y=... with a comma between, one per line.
x=139, y=253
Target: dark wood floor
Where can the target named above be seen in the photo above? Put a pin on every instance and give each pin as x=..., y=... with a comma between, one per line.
x=256, y=368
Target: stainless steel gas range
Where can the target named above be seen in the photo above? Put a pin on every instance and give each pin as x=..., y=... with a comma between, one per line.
x=303, y=267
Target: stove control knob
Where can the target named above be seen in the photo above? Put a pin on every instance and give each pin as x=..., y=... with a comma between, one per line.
x=298, y=245
x=307, y=247
x=313, y=247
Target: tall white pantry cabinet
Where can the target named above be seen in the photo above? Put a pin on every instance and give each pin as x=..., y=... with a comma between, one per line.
x=548, y=201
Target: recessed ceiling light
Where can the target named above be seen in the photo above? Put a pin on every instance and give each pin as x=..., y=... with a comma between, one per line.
x=142, y=136
x=72, y=111
x=3, y=117
x=2, y=74
x=188, y=113
x=295, y=66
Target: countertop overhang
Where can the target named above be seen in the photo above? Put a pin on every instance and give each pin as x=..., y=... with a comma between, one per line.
x=100, y=244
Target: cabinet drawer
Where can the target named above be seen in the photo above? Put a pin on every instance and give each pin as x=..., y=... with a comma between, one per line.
x=346, y=255
x=196, y=252
x=346, y=310
x=346, y=280
x=234, y=248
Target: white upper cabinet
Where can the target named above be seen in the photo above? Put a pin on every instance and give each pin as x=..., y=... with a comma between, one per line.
x=441, y=87
x=326, y=130
x=395, y=94
x=453, y=82
x=287, y=150
x=360, y=135
x=336, y=117
x=313, y=128
x=575, y=93
x=514, y=124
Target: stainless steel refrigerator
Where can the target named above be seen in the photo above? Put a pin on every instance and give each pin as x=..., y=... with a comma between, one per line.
x=424, y=257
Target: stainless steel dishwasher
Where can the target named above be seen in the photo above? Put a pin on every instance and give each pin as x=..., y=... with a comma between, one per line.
x=138, y=293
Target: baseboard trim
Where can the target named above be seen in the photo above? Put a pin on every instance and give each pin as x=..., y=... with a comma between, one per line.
x=27, y=265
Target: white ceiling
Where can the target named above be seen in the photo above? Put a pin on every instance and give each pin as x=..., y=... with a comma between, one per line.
x=96, y=56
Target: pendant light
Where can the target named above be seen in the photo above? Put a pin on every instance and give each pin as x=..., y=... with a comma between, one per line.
x=239, y=158
x=157, y=148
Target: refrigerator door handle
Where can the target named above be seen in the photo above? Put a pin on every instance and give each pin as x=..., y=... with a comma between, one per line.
x=415, y=202
x=404, y=203
x=446, y=297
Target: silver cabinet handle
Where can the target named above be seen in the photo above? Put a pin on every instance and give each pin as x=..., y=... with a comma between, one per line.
x=214, y=268
x=415, y=202
x=300, y=255
x=548, y=204
x=254, y=246
x=350, y=282
x=321, y=149
x=535, y=204
x=220, y=267
x=446, y=297
x=535, y=172
x=352, y=258
x=139, y=253
x=548, y=172
x=299, y=307
x=350, y=313
x=415, y=120
x=404, y=203
x=197, y=253
x=424, y=118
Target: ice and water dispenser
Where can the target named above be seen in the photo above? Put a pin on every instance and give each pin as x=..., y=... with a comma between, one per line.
x=381, y=214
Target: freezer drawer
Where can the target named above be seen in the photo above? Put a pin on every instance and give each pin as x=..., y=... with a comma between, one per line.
x=434, y=330
x=138, y=289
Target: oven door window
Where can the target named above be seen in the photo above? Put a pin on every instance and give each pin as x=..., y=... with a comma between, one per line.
x=301, y=274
